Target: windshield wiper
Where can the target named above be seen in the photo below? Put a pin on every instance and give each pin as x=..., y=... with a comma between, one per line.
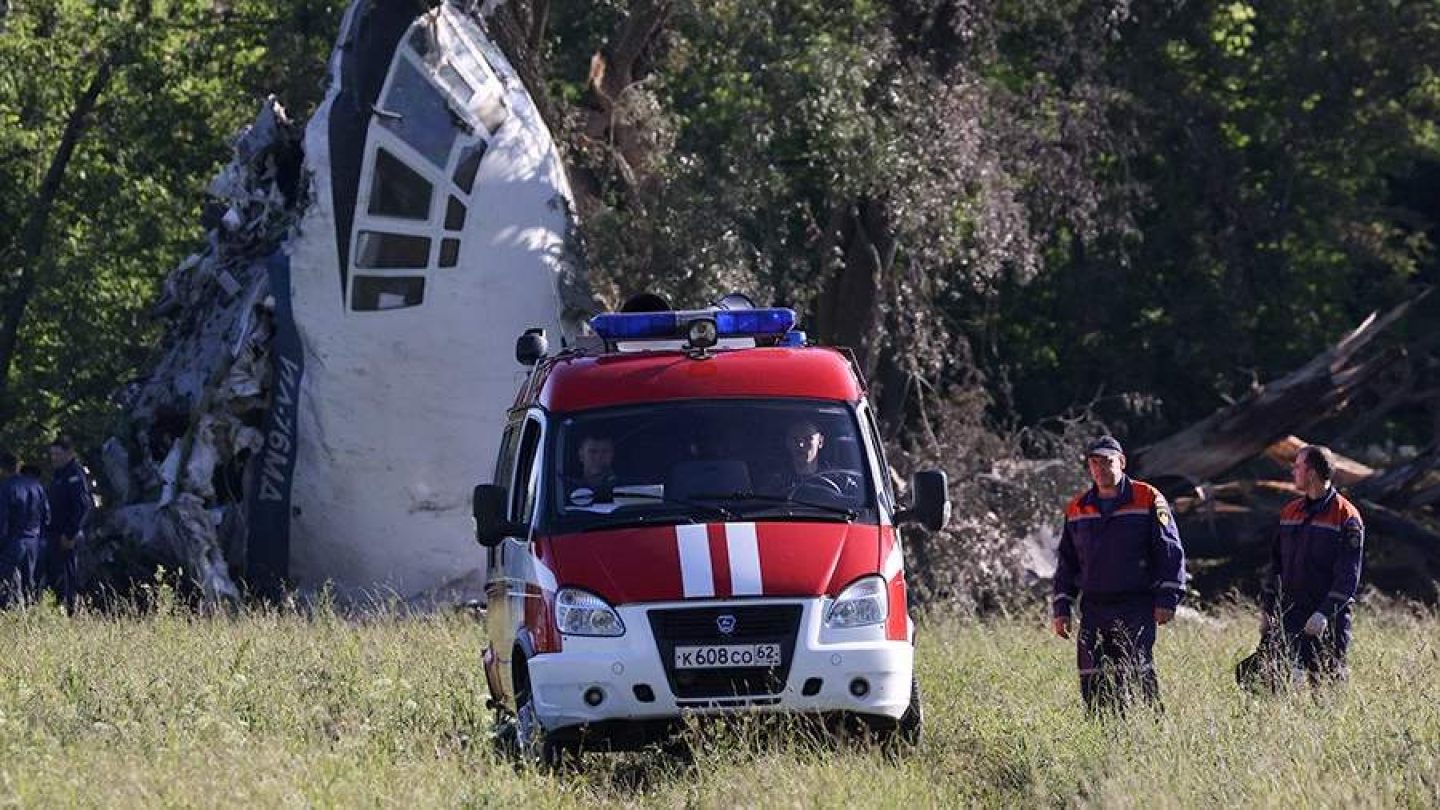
x=845, y=512
x=635, y=521
x=663, y=519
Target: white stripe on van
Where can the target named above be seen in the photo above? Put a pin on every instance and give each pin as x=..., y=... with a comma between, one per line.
x=744, y=549
x=696, y=576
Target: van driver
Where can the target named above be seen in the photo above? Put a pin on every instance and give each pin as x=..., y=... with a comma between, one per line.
x=803, y=442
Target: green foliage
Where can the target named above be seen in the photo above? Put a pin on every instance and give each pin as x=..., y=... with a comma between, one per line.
x=1089, y=202
x=188, y=74
x=768, y=132
x=1150, y=207
x=1272, y=137
x=275, y=709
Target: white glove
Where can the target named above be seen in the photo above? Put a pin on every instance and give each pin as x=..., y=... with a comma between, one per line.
x=1315, y=625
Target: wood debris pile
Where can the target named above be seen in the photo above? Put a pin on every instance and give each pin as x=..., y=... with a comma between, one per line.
x=1228, y=475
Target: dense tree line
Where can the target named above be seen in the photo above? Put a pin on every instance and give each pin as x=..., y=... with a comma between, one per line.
x=1008, y=209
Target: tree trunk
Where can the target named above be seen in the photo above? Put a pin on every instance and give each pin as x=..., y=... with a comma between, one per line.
x=613, y=70
x=29, y=252
x=850, y=307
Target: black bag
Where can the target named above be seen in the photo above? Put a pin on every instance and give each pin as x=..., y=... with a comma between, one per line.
x=1269, y=667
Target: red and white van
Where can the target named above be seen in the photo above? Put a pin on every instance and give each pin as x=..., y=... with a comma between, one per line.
x=691, y=513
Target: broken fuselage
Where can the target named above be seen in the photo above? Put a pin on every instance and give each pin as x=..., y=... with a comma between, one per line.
x=436, y=231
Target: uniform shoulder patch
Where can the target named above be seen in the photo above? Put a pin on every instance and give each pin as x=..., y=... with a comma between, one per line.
x=1162, y=511
x=1354, y=532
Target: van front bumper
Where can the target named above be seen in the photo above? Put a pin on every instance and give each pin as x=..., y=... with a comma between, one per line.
x=597, y=681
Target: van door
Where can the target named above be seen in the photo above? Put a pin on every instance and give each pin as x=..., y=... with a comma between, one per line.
x=513, y=569
x=497, y=651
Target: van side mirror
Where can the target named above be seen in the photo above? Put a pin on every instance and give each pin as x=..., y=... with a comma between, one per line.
x=930, y=505
x=531, y=346
x=491, y=526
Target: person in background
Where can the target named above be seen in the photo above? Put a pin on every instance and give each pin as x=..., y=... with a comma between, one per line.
x=24, y=514
x=1120, y=557
x=71, y=503
x=1315, y=562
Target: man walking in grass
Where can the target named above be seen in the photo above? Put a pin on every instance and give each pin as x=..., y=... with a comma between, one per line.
x=1314, y=570
x=1120, y=557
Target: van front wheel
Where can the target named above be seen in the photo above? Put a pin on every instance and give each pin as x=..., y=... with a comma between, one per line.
x=533, y=745
x=525, y=736
x=912, y=722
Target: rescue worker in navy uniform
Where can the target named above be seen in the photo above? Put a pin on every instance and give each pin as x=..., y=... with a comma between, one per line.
x=70, y=505
x=1314, y=570
x=1120, y=557
x=24, y=514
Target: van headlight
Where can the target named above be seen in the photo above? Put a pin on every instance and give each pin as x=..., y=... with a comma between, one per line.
x=863, y=602
x=580, y=613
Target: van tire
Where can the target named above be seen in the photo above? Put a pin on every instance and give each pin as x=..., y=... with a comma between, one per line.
x=912, y=722
x=898, y=737
x=533, y=745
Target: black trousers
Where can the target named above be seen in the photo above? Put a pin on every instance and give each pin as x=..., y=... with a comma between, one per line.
x=17, y=572
x=59, y=572
x=1287, y=649
x=1115, y=655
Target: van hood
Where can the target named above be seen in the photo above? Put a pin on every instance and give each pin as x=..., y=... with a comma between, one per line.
x=716, y=560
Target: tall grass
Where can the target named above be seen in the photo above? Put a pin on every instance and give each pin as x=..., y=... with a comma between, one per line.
x=279, y=709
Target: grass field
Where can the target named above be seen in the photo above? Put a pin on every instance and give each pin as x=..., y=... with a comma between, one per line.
x=278, y=710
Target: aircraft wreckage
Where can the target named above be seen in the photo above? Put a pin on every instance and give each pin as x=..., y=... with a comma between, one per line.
x=337, y=361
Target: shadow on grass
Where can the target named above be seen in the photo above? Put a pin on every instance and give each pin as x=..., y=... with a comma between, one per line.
x=709, y=745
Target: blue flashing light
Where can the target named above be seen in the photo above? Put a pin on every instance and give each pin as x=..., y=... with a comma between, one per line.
x=795, y=339
x=742, y=322
x=635, y=325
x=618, y=326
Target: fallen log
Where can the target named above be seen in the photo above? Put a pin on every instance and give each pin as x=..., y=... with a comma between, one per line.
x=1347, y=471
x=1237, y=433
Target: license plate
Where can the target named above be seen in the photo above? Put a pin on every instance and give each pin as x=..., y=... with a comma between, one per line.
x=711, y=656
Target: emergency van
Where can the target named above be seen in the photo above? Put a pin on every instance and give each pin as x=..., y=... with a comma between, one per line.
x=691, y=513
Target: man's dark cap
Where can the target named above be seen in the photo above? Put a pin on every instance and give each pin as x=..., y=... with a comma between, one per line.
x=1104, y=446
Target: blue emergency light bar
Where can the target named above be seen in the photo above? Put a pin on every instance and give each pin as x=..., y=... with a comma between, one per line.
x=614, y=326
x=635, y=325
x=738, y=322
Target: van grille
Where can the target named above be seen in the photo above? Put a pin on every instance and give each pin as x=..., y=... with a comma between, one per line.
x=754, y=624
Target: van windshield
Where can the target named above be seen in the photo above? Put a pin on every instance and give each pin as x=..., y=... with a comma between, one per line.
x=708, y=461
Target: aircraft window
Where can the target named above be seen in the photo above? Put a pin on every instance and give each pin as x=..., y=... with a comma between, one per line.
x=454, y=215
x=469, y=164
x=457, y=84
x=449, y=252
x=422, y=40
x=424, y=119
x=398, y=190
x=492, y=111
x=391, y=250
x=375, y=293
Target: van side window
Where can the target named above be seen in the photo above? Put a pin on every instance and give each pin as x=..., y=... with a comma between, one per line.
x=886, y=489
x=527, y=483
x=505, y=464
